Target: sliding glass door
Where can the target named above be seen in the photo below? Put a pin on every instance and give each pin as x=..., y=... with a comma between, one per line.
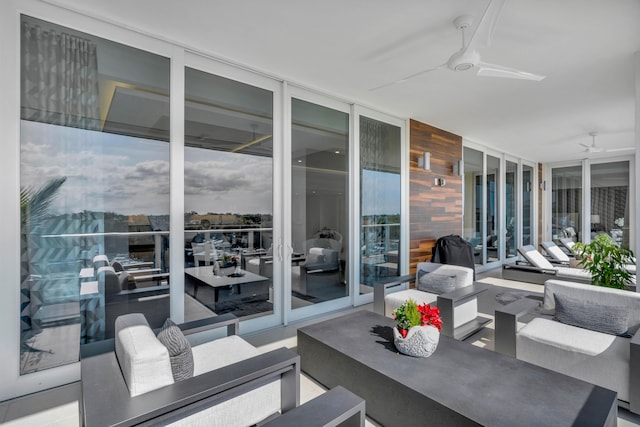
x=511, y=209
x=610, y=201
x=319, y=245
x=566, y=203
x=380, y=201
x=527, y=205
x=474, y=225
x=228, y=197
x=492, y=188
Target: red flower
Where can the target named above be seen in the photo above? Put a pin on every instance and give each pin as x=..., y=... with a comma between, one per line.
x=430, y=315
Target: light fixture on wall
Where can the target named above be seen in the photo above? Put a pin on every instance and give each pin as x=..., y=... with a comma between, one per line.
x=439, y=181
x=425, y=161
x=458, y=168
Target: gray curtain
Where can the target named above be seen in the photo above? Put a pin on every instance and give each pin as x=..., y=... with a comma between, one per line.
x=59, y=81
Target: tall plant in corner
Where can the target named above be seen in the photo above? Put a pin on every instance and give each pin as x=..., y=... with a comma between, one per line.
x=606, y=261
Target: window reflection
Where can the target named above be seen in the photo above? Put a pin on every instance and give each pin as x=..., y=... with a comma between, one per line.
x=379, y=201
x=319, y=174
x=228, y=173
x=94, y=189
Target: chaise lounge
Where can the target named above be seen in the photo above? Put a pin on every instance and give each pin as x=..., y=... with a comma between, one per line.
x=538, y=269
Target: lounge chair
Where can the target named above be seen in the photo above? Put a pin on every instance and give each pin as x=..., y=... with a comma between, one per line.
x=450, y=287
x=538, y=269
x=555, y=253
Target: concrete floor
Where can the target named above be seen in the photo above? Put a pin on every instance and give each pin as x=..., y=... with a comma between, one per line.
x=61, y=406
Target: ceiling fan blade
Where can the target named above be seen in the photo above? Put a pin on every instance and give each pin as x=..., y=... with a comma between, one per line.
x=404, y=79
x=493, y=70
x=611, y=150
x=585, y=145
x=483, y=33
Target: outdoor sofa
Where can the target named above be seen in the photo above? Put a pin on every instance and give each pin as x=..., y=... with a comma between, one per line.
x=584, y=331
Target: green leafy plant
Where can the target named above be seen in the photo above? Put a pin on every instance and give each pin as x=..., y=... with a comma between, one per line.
x=605, y=261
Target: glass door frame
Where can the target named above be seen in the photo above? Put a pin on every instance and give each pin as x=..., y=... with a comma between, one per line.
x=285, y=248
x=354, y=213
x=518, y=207
x=533, y=228
x=209, y=65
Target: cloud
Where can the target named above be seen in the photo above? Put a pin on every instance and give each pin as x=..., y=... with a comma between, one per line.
x=127, y=175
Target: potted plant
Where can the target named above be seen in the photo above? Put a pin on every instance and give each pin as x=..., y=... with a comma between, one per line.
x=606, y=261
x=417, y=332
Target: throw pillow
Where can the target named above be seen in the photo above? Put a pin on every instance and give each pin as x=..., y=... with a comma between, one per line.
x=179, y=348
x=593, y=315
x=436, y=283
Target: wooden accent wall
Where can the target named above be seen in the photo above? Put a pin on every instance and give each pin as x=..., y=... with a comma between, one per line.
x=434, y=211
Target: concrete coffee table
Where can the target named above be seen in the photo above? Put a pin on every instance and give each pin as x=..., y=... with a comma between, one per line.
x=459, y=385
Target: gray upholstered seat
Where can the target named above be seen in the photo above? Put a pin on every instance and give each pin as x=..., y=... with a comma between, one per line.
x=451, y=287
x=579, y=340
x=233, y=383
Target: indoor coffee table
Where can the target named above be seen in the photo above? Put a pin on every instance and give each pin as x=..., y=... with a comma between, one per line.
x=204, y=276
x=459, y=385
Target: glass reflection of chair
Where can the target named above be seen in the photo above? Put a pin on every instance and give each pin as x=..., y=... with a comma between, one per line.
x=203, y=253
x=320, y=274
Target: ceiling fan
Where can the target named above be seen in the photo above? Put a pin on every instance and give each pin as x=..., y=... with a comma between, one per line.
x=467, y=57
x=593, y=148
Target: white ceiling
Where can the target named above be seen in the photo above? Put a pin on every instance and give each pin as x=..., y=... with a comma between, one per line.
x=584, y=47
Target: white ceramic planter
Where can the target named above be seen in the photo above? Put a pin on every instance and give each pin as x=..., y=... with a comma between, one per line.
x=421, y=341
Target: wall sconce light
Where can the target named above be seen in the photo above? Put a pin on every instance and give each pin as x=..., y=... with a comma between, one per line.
x=439, y=181
x=458, y=168
x=543, y=185
x=425, y=161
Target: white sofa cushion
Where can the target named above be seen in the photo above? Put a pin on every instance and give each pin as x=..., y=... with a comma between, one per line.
x=595, y=357
x=143, y=359
x=244, y=410
x=396, y=299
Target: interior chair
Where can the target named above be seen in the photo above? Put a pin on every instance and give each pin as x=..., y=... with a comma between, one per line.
x=584, y=331
x=203, y=253
x=119, y=299
x=555, y=253
x=538, y=269
x=319, y=275
x=450, y=287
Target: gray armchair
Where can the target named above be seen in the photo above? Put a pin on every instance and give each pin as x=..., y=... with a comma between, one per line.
x=450, y=287
x=128, y=380
x=120, y=299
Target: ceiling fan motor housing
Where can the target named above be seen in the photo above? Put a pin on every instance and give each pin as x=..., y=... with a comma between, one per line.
x=463, y=61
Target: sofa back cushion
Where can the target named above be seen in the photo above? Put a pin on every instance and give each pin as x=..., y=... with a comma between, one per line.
x=609, y=319
x=437, y=278
x=601, y=295
x=144, y=361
